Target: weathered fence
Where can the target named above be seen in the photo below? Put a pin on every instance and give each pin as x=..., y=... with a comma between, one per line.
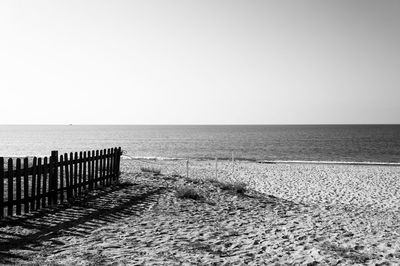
x=30, y=185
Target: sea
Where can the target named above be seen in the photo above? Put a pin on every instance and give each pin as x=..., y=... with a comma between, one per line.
x=358, y=144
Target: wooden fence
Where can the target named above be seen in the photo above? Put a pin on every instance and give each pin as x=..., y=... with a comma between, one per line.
x=30, y=185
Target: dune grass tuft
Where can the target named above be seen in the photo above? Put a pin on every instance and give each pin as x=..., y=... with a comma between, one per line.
x=153, y=170
x=236, y=187
x=188, y=192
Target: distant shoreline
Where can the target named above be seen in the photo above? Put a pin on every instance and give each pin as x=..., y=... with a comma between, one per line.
x=160, y=159
x=157, y=159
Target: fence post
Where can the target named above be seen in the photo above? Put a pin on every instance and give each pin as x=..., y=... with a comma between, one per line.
x=187, y=168
x=233, y=166
x=216, y=168
x=53, y=178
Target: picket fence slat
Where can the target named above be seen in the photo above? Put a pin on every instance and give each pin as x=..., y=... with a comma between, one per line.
x=93, y=163
x=101, y=174
x=39, y=182
x=10, y=188
x=109, y=167
x=71, y=174
x=18, y=187
x=61, y=179
x=26, y=186
x=33, y=186
x=75, y=175
x=106, y=166
x=44, y=185
x=67, y=183
x=87, y=163
x=80, y=173
x=84, y=171
x=52, y=180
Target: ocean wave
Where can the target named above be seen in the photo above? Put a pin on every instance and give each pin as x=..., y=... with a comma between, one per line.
x=158, y=158
x=239, y=159
x=151, y=158
x=329, y=162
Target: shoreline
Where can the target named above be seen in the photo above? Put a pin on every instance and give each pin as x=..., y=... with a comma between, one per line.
x=167, y=159
x=150, y=159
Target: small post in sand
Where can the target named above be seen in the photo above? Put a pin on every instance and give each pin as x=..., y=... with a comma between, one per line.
x=233, y=166
x=187, y=168
x=216, y=168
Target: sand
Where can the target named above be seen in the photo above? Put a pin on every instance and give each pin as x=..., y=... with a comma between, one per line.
x=292, y=214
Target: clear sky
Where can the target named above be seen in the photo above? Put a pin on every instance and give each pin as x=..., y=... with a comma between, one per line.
x=199, y=62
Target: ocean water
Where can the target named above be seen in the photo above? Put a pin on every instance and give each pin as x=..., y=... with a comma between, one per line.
x=319, y=143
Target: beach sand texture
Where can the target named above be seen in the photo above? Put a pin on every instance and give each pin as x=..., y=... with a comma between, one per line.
x=292, y=215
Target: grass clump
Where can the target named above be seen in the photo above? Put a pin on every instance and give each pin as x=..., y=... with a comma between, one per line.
x=153, y=170
x=349, y=253
x=187, y=192
x=236, y=187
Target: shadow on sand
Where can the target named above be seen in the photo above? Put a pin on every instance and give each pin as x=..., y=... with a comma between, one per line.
x=26, y=234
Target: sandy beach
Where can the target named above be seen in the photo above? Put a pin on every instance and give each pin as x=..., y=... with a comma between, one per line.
x=245, y=132
x=290, y=214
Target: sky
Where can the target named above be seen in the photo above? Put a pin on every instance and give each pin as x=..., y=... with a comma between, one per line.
x=199, y=62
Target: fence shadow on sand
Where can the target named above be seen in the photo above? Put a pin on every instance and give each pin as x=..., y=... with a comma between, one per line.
x=107, y=205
